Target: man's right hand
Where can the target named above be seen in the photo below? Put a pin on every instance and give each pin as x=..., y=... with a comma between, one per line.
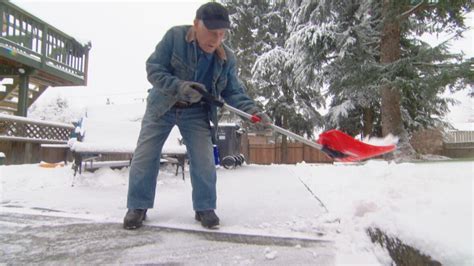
x=187, y=93
x=265, y=122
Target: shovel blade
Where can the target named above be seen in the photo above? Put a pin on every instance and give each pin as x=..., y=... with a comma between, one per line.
x=354, y=150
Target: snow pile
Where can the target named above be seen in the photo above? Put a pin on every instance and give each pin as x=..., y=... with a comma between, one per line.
x=426, y=205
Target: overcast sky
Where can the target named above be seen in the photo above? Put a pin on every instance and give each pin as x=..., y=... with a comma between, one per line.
x=123, y=34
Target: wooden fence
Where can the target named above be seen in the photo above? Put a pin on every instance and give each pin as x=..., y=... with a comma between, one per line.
x=21, y=139
x=297, y=152
x=459, y=144
x=460, y=137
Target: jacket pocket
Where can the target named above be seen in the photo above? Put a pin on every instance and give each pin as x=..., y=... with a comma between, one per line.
x=221, y=84
x=158, y=102
x=180, y=69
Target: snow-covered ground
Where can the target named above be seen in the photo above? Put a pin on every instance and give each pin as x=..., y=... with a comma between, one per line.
x=427, y=205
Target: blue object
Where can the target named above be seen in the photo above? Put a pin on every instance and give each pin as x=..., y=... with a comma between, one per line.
x=216, y=155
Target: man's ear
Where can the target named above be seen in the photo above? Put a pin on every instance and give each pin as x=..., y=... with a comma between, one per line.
x=196, y=22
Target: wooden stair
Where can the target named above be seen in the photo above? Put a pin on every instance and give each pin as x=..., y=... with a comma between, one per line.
x=10, y=95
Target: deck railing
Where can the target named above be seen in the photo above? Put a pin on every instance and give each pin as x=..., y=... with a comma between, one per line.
x=22, y=33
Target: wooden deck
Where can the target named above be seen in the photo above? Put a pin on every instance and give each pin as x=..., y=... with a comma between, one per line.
x=35, y=55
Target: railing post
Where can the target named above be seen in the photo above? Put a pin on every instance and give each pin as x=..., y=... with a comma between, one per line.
x=3, y=27
x=23, y=95
x=44, y=41
x=86, y=62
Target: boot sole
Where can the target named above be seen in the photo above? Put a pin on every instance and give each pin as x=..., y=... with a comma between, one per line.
x=131, y=227
x=198, y=218
x=134, y=226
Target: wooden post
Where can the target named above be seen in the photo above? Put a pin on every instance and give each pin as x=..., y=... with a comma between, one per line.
x=22, y=107
x=28, y=154
x=3, y=21
x=44, y=46
x=86, y=63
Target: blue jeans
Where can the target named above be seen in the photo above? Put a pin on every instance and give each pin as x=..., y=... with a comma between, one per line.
x=193, y=123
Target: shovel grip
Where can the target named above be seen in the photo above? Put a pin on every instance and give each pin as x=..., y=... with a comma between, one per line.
x=207, y=96
x=255, y=119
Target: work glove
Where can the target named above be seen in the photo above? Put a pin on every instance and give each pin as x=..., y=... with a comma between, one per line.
x=188, y=94
x=265, y=120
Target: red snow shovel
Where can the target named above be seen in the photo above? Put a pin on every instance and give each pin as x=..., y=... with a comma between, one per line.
x=336, y=144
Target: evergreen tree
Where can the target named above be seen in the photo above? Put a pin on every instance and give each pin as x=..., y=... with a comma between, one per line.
x=259, y=38
x=353, y=72
x=403, y=21
x=256, y=28
x=370, y=55
x=244, y=36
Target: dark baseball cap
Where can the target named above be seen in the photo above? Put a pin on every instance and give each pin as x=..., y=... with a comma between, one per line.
x=214, y=16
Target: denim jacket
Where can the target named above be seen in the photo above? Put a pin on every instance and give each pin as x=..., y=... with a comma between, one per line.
x=174, y=61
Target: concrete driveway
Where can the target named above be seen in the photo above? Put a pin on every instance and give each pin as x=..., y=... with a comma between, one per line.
x=45, y=239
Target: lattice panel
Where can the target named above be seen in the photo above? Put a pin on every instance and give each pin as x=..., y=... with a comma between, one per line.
x=34, y=131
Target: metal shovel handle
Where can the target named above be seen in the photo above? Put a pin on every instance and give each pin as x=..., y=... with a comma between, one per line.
x=275, y=127
x=255, y=119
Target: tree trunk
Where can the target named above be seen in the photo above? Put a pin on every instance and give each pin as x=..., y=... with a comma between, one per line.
x=390, y=51
x=368, y=121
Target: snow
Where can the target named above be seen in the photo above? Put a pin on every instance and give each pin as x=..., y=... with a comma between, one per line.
x=427, y=205
x=270, y=254
x=32, y=120
x=461, y=116
x=108, y=136
x=385, y=141
x=107, y=128
x=341, y=110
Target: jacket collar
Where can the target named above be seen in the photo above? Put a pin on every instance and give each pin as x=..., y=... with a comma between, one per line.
x=191, y=36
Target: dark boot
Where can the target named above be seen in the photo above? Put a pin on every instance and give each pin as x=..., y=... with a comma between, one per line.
x=134, y=218
x=208, y=218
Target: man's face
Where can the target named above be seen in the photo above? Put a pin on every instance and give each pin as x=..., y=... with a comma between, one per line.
x=208, y=40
